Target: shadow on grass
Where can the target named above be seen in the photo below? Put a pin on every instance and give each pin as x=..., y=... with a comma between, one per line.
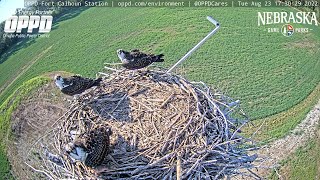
x=70, y=13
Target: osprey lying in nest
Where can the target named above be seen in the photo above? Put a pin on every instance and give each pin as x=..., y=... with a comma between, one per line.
x=92, y=149
x=163, y=127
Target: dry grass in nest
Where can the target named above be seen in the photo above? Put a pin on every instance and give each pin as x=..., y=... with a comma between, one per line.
x=164, y=127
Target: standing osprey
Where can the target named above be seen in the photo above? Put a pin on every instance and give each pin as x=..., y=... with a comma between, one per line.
x=136, y=60
x=75, y=84
x=92, y=150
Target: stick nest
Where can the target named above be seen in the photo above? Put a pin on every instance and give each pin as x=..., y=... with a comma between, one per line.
x=163, y=127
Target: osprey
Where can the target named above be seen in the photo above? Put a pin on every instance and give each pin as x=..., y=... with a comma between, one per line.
x=136, y=60
x=92, y=149
x=75, y=84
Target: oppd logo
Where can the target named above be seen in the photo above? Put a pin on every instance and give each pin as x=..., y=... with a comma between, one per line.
x=287, y=30
x=17, y=23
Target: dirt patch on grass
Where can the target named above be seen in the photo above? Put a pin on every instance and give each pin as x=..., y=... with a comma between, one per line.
x=29, y=122
x=310, y=45
x=303, y=44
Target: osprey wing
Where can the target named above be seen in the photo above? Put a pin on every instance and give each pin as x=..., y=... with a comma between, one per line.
x=136, y=54
x=98, y=145
x=138, y=63
x=78, y=84
x=140, y=60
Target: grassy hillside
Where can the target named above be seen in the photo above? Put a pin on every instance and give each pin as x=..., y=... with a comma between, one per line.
x=6, y=110
x=304, y=163
x=277, y=126
x=268, y=72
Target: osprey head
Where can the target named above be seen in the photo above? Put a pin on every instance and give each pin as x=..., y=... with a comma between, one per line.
x=78, y=153
x=77, y=150
x=59, y=81
x=122, y=55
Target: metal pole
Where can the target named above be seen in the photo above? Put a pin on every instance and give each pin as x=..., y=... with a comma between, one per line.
x=199, y=44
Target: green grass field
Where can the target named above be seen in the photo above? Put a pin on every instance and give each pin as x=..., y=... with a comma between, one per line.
x=304, y=163
x=278, y=125
x=268, y=72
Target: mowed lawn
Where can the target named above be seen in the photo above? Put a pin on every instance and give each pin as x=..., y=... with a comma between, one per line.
x=268, y=72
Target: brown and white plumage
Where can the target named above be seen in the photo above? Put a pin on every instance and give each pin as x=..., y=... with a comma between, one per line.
x=92, y=149
x=75, y=84
x=136, y=59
